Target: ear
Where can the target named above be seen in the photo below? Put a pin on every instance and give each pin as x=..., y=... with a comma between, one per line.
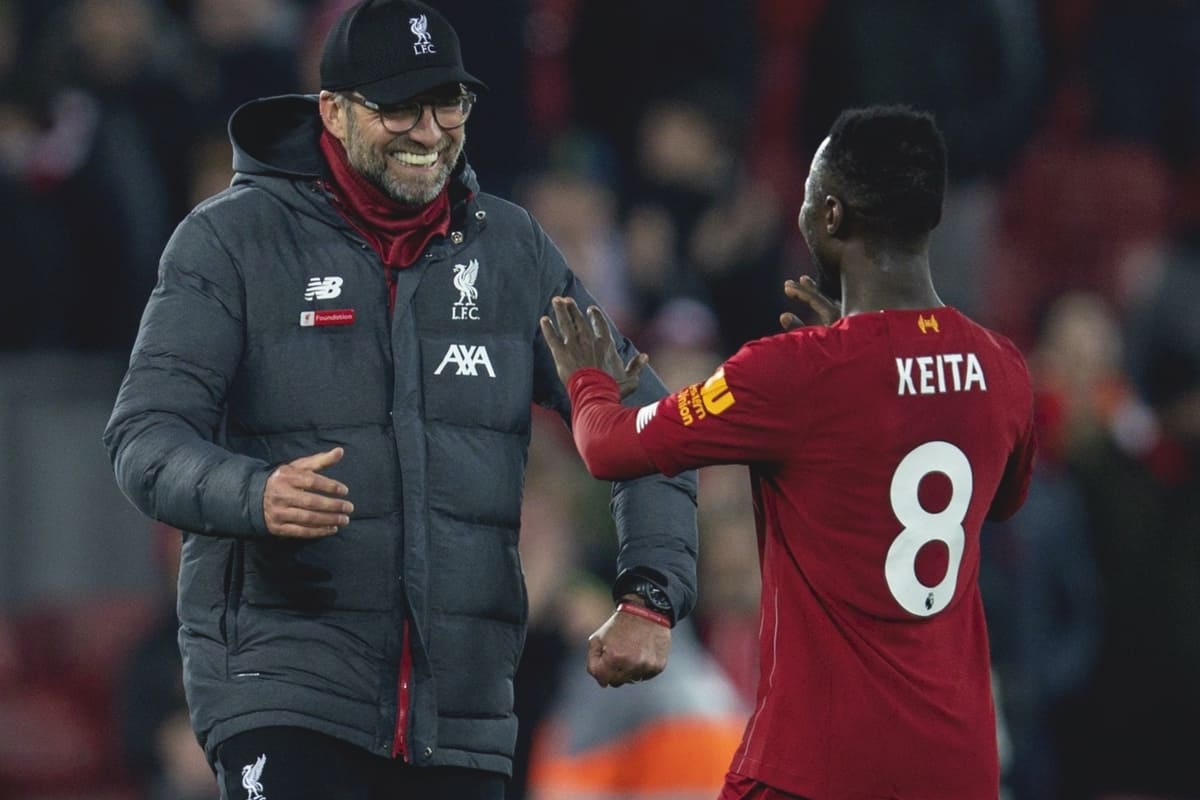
x=833, y=215
x=333, y=115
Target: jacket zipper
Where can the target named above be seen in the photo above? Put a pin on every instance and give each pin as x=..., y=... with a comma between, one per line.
x=400, y=740
x=404, y=676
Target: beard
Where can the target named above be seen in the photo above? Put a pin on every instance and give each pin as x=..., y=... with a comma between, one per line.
x=829, y=275
x=372, y=164
x=829, y=281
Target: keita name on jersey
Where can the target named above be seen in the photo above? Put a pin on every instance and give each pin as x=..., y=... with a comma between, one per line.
x=945, y=372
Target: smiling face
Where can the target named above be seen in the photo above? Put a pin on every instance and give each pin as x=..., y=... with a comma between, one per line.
x=412, y=168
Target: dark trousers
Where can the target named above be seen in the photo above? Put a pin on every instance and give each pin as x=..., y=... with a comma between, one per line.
x=285, y=763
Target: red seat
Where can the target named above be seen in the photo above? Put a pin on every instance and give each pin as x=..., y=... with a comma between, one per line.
x=1071, y=214
x=47, y=742
x=59, y=666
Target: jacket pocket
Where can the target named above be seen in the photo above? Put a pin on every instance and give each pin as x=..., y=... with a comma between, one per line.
x=352, y=570
x=235, y=572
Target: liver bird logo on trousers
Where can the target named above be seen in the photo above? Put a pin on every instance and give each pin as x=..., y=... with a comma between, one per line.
x=250, y=779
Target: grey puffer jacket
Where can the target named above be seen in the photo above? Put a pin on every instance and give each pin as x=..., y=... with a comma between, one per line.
x=267, y=338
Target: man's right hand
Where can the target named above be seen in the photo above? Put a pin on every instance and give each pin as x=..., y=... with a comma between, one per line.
x=301, y=503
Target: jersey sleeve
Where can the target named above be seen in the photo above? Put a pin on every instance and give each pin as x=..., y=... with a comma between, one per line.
x=604, y=430
x=744, y=413
x=1014, y=485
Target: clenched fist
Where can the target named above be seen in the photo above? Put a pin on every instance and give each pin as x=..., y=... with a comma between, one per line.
x=627, y=649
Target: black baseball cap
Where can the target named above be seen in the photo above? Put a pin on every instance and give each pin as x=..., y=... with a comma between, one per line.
x=392, y=50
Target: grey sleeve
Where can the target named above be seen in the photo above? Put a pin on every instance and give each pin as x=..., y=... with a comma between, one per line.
x=163, y=432
x=655, y=516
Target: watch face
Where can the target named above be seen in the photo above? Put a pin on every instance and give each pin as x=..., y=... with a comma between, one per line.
x=656, y=598
x=645, y=588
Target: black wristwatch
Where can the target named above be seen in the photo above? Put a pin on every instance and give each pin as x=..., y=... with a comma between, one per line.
x=654, y=597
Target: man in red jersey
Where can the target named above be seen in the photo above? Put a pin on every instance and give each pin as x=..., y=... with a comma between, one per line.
x=877, y=446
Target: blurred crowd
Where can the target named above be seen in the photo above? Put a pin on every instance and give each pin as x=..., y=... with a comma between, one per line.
x=664, y=145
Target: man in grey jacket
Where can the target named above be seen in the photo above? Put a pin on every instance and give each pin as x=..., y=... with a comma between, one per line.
x=331, y=395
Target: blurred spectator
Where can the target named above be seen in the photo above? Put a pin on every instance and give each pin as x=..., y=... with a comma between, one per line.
x=775, y=150
x=210, y=165
x=699, y=226
x=579, y=212
x=109, y=159
x=319, y=17
x=1139, y=483
x=1118, y=164
x=727, y=613
x=550, y=550
x=506, y=138
x=977, y=67
x=672, y=736
x=1144, y=75
x=619, y=65
x=1072, y=211
x=31, y=311
x=1164, y=334
x=1038, y=575
x=244, y=49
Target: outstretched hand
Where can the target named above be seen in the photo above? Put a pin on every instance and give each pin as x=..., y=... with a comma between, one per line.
x=576, y=343
x=805, y=291
x=299, y=502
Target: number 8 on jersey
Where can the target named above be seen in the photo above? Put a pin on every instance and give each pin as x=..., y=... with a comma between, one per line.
x=922, y=526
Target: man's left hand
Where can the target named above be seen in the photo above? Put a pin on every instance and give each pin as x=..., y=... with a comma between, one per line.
x=627, y=649
x=805, y=291
x=577, y=343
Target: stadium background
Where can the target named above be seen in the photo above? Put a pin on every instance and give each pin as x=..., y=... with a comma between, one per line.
x=664, y=146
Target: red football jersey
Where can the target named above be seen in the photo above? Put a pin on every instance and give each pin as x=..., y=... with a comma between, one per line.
x=877, y=447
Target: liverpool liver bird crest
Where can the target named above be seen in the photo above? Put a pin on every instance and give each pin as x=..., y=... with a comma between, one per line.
x=250, y=778
x=420, y=28
x=464, y=281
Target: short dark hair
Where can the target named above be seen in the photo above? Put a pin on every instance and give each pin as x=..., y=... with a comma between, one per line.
x=888, y=163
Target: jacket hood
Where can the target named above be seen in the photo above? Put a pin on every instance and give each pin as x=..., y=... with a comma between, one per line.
x=278, y=136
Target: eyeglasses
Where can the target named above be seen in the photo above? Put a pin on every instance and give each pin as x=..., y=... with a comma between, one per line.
x=448, y=112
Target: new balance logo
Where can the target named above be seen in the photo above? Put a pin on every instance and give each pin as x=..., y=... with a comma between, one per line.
x=323, y=288
x=645, y=414
x=468, y=359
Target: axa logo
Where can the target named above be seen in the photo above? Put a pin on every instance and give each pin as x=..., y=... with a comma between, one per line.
x=420, y=29
x=323, y=288
x=927, y=325
x=251, y=779
x=467, y=359
x=464, y=281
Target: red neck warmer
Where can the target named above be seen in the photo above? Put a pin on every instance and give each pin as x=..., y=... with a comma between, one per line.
x=398, y=233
